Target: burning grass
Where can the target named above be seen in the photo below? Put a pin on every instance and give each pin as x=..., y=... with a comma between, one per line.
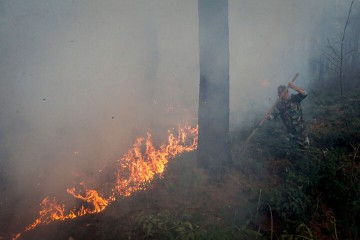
x=184, y=197
x=135, y=171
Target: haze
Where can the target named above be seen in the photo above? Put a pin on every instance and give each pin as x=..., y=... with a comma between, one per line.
x=80, y=80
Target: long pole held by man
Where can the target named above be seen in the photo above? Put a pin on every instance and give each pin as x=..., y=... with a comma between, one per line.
x=267, y=115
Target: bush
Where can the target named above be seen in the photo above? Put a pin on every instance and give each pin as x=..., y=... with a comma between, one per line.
x=165, y=226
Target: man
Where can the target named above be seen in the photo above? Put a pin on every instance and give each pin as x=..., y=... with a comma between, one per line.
x=289, y=109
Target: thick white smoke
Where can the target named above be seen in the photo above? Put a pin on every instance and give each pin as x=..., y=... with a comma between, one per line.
x=81, y=79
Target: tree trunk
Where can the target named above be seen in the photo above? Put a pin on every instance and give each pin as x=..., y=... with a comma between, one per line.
x=213, y=148
x=355, y=36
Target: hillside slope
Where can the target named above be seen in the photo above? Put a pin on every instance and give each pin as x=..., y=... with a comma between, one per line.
x=272, y=190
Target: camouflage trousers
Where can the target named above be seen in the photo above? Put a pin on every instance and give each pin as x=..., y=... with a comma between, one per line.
x=300, y=139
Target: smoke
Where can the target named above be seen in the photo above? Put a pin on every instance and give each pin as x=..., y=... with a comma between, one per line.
x=81, y=79
x=271, y=41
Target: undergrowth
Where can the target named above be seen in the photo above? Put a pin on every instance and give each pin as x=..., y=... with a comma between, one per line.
x=272, y=190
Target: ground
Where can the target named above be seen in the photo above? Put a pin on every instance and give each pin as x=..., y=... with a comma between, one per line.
x=271, y=191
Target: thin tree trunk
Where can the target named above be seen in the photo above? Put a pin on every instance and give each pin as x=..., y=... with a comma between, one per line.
x=355, y=37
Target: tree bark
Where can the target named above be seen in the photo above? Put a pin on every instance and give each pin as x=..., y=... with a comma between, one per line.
x=213, y=145
x=355, y=37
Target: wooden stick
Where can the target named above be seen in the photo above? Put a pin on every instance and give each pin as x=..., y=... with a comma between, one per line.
x=272, y=222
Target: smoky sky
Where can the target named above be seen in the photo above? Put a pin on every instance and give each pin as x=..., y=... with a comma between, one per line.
x=271, y=42
x=80, y=80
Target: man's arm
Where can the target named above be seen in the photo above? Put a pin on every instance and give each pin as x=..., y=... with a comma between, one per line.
x=301, y=93
x=296, y=88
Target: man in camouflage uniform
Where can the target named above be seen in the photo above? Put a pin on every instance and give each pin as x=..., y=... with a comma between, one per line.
x=289, y=109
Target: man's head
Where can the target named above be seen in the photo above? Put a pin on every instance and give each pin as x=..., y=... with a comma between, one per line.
x=283, y=92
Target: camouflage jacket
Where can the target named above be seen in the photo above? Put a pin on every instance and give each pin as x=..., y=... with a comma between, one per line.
x=291, y=113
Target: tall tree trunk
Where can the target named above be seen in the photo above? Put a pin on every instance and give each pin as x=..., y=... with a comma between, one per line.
x=213, y=148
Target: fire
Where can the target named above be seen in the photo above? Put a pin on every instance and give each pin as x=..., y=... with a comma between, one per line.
x=92, y=197
x=136, y=169
x=52, y=211
x=265, y=83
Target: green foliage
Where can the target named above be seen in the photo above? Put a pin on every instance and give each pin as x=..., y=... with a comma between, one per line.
x=330, y=177
x=303, y=232
x=165, y=226
x=290, y=200
x=339, y=178
x=234, y=233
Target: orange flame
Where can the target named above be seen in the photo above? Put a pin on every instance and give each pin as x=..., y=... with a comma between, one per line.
x=135, y=171
x=52, y=211
x=91, y=196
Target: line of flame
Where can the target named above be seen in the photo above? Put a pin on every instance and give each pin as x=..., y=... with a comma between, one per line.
x=136, y=169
